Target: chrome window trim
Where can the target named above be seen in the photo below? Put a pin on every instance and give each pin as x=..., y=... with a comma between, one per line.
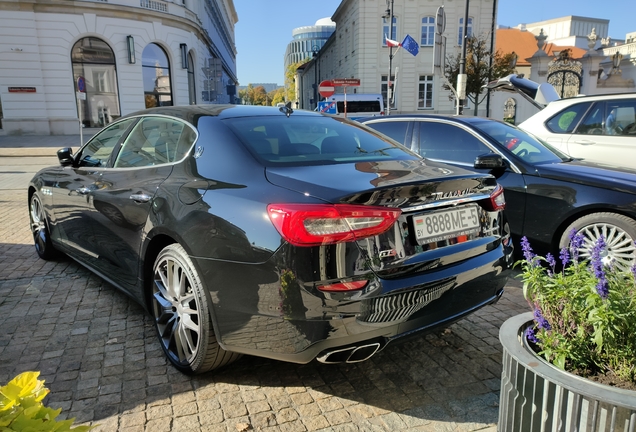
x=140, y=117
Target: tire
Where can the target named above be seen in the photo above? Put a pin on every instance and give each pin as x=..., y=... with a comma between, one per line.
x=619, y=232
x=182, y=315
x=40, y=229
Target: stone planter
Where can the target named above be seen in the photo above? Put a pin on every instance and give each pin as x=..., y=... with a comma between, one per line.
x=536, y=396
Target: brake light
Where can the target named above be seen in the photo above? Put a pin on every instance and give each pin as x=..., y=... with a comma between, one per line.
x=497, y=201
x=323, y=224
x=344, y=286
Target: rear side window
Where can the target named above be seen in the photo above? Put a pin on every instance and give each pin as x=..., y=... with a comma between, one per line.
x=312, y=140
x=392, y=129
x=566, y=120
x=450, y=143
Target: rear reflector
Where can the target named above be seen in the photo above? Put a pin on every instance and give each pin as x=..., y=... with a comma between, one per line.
x=344, y=286
x=323, y=224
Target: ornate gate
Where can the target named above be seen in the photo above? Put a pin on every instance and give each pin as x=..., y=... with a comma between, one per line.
x=565, y=75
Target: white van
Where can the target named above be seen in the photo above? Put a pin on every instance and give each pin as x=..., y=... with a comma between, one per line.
x=358, y=105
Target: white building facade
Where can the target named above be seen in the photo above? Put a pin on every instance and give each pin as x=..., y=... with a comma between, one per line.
x=63, y=61
x=357, y=49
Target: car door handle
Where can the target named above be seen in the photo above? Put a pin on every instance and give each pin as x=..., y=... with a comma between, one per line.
x=140, y=198
x=585, y=142
x=83, y=190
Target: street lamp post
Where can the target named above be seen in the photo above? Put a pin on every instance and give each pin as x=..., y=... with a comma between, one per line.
x=316, y=53
x=462, y=78
x=389, y=16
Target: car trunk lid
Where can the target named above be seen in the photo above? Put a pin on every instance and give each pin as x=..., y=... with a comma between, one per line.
x=442, y=206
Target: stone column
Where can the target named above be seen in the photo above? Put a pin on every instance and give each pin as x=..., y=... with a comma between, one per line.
x=590, y=61
x=539, y=60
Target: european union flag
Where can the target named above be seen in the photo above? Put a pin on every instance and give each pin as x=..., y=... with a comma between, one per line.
x=410, y=45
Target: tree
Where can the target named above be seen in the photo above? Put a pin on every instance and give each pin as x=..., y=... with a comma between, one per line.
x=276, y=96
x=478, y=69
x=254, y=95
x=290, y=79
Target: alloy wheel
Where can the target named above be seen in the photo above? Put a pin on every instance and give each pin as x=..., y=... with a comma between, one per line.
x=176, y=311
x=38, y=225
x=620, y=247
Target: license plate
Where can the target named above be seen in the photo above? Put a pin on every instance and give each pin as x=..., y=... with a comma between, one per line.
x=445, y=224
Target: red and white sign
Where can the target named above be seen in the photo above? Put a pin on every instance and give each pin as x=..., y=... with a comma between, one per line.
x=326, y=89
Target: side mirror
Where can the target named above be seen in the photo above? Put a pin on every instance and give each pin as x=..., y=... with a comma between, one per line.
x=65, y=156
x=489, y=161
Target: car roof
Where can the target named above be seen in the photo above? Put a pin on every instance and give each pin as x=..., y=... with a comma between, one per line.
x=455, y=118
x=191, y=112
x=594, y=97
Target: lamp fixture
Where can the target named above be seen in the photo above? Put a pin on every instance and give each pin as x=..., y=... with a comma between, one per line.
x=184, y=55
x=130, y=43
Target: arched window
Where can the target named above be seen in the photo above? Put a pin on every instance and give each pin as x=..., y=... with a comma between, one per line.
x=93, y=60
x=192, y=92
x=156, y=74
x=428, y=31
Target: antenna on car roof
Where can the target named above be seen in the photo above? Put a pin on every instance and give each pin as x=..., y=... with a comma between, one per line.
x=286, y=109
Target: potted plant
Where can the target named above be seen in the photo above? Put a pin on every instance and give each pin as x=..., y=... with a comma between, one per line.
x=570, y=364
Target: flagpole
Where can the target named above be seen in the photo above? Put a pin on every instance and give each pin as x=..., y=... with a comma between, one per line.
x=388, y=78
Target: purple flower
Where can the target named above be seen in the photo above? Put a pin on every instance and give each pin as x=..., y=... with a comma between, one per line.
x=634, y=270
x=541, y=321
x=597, y=266
x=530, y=335
x=565, y=257
x=527, y=250
x=576, y=243
x=551, y=262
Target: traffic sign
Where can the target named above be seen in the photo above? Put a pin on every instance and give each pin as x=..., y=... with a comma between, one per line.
x=81, y=84
x=326, y=89
x=344, y=82
x=440, y=20
x=327, y=107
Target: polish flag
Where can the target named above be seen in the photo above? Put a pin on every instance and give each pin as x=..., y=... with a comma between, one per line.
x=392, y=43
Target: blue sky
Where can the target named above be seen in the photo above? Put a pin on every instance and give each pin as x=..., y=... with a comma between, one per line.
x=265, y=26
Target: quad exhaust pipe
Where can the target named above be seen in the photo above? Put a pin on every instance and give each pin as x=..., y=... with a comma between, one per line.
x=352, y=354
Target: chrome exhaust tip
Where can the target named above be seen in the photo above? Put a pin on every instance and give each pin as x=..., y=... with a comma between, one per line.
x=363, y=352
x=352, y=354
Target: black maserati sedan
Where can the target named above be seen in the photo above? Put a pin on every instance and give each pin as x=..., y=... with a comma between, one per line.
x=548, y=193
x=271, y=232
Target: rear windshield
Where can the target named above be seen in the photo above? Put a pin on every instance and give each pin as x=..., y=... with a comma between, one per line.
x=314, y=140
x=360, y=107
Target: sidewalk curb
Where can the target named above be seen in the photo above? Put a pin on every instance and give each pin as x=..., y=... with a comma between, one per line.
x=29, y=152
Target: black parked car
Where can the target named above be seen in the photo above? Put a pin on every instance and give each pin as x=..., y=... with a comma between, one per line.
x=288, y=235
x=547, y=192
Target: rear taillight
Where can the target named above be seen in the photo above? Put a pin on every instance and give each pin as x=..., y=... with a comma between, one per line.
x=497, y=201
x=344, y=286
x=323, y=224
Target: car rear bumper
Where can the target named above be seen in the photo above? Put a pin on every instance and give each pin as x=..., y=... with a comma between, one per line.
x=262, y=310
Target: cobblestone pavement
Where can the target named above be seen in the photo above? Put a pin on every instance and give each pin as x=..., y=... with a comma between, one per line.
x=98, y=352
